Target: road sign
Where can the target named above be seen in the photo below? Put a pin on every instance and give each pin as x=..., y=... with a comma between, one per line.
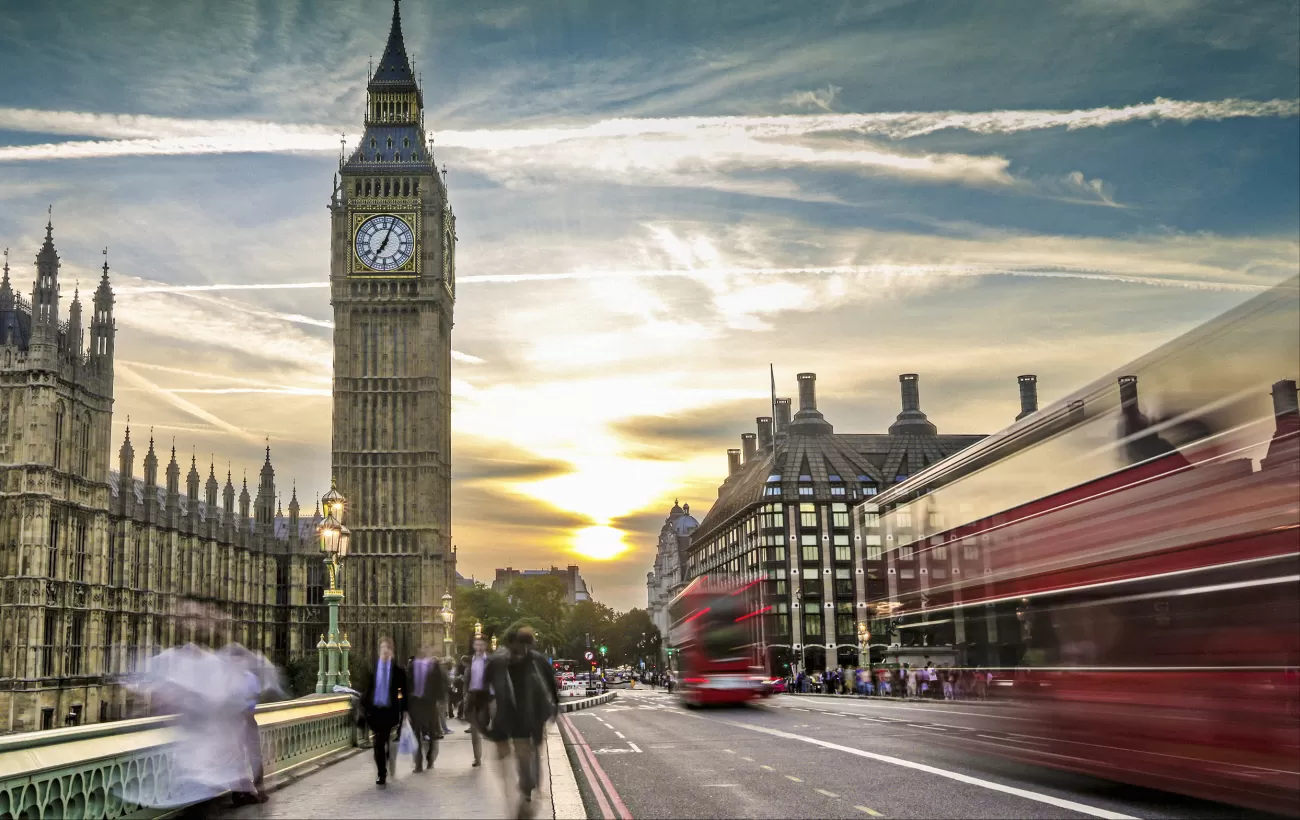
x=589, y=656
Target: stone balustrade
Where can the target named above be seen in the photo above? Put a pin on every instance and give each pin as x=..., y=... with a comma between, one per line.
x=85, y=771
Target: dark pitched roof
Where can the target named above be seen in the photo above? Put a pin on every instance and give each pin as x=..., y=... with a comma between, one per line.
x=394, y=68
x=406, y=151
x=856, y=459
x=16, y=325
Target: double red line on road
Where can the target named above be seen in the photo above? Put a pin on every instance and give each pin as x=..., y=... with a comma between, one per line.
x=589, y=764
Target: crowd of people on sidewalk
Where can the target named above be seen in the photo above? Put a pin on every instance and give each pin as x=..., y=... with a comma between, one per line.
x=927, y=681
x=506, y=696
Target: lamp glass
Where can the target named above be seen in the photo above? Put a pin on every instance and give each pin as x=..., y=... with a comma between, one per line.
x=329, y=538
x=333, y=502
x=345, y=540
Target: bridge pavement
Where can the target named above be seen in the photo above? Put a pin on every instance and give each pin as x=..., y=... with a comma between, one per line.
x=453, y=789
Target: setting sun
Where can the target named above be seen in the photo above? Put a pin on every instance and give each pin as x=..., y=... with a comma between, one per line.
x=600, y=542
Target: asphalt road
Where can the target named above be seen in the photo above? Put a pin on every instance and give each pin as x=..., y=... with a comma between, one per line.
x=645, y=756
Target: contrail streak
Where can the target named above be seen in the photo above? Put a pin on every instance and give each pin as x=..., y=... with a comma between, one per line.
x=181, y=404
x=110, y=135
x=884, y=271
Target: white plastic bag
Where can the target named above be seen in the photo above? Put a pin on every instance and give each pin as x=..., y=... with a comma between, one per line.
x=407, y=744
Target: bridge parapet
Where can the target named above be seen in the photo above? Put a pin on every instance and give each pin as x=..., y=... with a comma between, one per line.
x=111, y=770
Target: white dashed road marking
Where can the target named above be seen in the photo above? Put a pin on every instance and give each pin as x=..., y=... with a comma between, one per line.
x=1038, y=797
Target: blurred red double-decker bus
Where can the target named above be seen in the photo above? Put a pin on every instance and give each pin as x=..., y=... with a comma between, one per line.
x=1126, y=564
x=716, y=642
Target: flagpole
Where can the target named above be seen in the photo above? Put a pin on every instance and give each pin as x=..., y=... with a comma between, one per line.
x=772, y=371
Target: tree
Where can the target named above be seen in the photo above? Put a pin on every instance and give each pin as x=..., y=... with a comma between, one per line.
x=587, y=618
x=542, y=596
x=632, y=633
x=300, y=675
x=486, y=606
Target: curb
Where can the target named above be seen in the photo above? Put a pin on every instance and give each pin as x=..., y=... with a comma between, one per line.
x=587, y=703
x=566, y=796
x=886, y=698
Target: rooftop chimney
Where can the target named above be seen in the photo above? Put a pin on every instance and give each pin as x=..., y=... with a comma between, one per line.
x=733, y=462
x=1284, y=398
x=782, y=417
x=764, y=433
x=809, y=421
x=1284, y=446
x=911, y=421
x=1028, y=396
x=748, y=445
x=807, y=391
x=1128, y=391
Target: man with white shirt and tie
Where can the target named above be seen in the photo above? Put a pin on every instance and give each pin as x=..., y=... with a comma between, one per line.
x=383, y=702
x=477, y=696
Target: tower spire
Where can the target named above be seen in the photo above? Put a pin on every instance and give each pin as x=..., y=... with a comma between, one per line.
x=45, y=292
x=6, y=289
x=394, y=67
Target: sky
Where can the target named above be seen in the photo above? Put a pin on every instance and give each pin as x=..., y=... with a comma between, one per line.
x=654, y=202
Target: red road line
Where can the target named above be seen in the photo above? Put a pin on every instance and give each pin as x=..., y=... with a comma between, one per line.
x=606, y=812
x=583, y=749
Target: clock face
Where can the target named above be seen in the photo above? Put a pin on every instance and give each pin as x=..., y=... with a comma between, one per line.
x=385, y=242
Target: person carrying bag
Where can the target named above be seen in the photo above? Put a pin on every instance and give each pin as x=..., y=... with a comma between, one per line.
x=407, y=744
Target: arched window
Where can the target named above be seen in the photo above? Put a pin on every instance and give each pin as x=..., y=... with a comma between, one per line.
x=59, y=419
x=84, y=455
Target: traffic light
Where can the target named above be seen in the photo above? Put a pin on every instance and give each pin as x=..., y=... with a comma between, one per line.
x=603, y=650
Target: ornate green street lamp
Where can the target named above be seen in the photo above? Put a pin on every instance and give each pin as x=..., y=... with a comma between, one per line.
x=334, y=540
x=448, y=618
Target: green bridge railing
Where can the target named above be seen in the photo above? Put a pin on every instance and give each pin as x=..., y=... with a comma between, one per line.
x=84, y=771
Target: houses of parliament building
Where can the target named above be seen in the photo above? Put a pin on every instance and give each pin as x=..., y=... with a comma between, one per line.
x=97, y=559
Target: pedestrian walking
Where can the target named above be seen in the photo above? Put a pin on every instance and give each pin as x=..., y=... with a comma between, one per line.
x=383, y=702
x=458, y=688
x=526, y=697
x=477, y=697
x=428, y=690
x=246, y=667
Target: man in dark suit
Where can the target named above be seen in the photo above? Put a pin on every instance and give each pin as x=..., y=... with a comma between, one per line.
x=428, y=689
x=525, y=698
x=384, y=702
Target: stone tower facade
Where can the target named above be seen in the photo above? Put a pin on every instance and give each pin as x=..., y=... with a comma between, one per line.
x=56, y=408
x=393, y=287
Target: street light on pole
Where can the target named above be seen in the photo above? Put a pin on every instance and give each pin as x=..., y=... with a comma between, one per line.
x=334, y=541
x=448, y=618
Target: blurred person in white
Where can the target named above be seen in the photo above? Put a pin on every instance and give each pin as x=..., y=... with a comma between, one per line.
x=259, y=682
x=208, y=694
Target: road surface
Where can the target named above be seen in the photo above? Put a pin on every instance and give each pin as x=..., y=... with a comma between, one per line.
x=645, y=756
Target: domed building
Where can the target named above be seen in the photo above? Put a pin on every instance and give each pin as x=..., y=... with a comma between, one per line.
x=666, y=579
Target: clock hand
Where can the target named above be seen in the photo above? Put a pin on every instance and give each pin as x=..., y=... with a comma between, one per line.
x=384, y=244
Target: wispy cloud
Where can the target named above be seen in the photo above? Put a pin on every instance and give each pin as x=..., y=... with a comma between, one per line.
x=184, y=405
x=696, y=151
x=197, y=293
x=117, y=134
x=821, y=98
x=883, y=271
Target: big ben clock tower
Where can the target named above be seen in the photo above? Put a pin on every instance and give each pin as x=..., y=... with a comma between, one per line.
x=393, y=286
